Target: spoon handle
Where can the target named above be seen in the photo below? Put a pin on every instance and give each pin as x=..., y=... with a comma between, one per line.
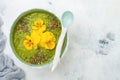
x=58, y=49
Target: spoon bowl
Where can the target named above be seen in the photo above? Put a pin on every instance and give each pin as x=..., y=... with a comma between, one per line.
x=67, y=18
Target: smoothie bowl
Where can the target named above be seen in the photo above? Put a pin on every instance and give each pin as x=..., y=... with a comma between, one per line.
x=34, y=36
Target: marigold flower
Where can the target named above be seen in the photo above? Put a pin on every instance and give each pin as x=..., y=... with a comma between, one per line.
x=29, y=44
x=48, y=40
x=39, y=26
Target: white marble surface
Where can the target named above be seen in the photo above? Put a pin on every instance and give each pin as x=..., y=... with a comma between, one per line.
x=93, y=52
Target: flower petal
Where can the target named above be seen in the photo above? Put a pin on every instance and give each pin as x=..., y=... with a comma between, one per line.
x=25, y=42
x=38, y=22
x=43, y=28
x=34, y=27
x=28, y=47
x=35, y=46
x=35, y=37
x=50, y=45
x=28, y=37
x=48, y=40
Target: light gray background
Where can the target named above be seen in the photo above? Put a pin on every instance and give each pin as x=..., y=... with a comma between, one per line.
x=87, y=58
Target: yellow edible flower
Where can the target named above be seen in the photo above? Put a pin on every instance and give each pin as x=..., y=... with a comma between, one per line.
x=35, y=37
x=39, y=26
x=29, y=44
x=48, y=40
x=39, y=38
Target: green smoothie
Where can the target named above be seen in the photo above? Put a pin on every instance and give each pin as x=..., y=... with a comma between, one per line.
x=36, y=52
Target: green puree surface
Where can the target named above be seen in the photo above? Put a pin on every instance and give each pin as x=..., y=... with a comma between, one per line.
x=23, y=26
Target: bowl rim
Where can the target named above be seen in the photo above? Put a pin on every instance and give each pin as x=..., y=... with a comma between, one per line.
x=13, y=47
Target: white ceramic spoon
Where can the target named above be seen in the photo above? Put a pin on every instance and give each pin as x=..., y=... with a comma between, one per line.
x=67, y=19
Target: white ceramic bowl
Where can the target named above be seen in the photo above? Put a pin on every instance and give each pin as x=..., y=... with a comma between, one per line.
x=65, y=44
